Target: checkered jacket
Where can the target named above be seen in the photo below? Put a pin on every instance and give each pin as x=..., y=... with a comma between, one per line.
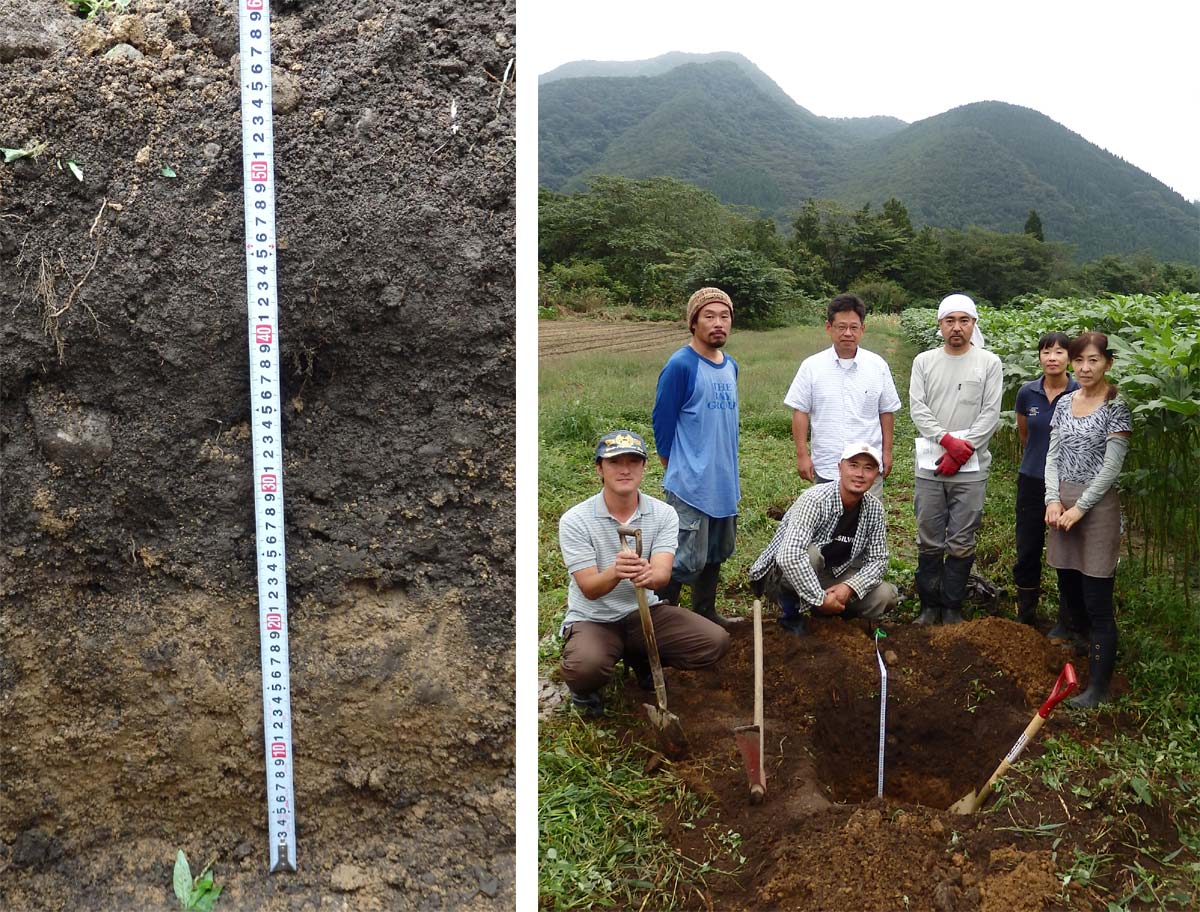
x=811, y=520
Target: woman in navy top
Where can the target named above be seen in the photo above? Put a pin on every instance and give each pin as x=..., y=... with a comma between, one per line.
x=1035, y=405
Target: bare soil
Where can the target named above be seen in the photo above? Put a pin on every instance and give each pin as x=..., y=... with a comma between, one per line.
x=130, y=702
x=958, y=698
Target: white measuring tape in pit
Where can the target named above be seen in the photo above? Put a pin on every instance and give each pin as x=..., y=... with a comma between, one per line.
x=882, y=711
x=266, y=418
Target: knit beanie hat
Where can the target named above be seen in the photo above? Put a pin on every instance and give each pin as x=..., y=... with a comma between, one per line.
x=706, y=296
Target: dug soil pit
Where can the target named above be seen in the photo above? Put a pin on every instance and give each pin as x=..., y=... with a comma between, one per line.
x=130, y=688
x=958, y=698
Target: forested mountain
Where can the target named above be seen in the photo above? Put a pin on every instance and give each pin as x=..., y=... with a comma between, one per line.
x=719, y=122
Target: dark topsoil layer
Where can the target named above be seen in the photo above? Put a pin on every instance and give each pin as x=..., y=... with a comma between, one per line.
x=958, y=699
x=129, y=681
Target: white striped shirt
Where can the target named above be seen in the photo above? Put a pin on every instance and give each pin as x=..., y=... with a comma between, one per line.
x=843, y=402
x=587, y=537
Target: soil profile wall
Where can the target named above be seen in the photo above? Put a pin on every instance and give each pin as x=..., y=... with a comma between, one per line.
x=129, y=660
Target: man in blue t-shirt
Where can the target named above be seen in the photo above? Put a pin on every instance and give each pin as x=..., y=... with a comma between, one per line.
x=696, y=433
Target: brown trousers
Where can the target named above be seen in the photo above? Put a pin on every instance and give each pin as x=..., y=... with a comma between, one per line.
x=685, y=640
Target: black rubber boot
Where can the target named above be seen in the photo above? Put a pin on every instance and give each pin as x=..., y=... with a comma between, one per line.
x=795, y=624
x=1072, y=623
x=929, y=585
x=641, y=671
x=1027, y=602
x=954, y=587
x=670, y=592
x=704, y=595
x=590, y=705
x=1102, y=658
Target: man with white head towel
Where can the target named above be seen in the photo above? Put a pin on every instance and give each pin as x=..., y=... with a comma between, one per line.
x=954, y=397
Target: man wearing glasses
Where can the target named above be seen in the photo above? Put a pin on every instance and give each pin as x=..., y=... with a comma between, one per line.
x=954, y=397
x=842, y=394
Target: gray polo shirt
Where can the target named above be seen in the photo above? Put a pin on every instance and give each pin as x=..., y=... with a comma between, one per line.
x=587, y=537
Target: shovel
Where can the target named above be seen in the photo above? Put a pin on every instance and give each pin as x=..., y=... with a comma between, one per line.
x=750, y=737
x=971, y=802
x=670, y=733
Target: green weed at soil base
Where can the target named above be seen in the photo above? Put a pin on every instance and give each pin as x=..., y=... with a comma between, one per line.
x=1119, y=774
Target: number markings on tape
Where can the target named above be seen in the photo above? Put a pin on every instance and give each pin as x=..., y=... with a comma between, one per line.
x=266, y=414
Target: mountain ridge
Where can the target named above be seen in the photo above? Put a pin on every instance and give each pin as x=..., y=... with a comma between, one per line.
x=717, y=121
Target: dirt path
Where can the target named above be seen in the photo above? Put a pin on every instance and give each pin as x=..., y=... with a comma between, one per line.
x=559, y=338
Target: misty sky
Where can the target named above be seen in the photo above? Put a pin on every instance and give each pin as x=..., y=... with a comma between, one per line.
x=1122, y=75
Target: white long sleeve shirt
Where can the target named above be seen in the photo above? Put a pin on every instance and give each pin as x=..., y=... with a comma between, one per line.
x=960, y=395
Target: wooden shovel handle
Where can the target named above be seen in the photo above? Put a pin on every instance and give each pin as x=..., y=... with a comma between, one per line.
x=624, y=533
x=1031, y=729
x=758, y=668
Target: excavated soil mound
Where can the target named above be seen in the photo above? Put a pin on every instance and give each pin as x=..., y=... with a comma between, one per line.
x=129, y=665
x=958, y=698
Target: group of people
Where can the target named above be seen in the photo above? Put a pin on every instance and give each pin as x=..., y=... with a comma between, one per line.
x=829, y=555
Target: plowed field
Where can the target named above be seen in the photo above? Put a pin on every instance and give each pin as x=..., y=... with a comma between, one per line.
x=558, y=338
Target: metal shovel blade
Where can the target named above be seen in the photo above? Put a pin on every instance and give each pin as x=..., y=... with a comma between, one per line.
x=967, y=804
x=671, y=738
x=749, y=742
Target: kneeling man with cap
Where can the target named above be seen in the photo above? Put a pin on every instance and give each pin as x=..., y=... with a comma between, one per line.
x=829, y=553
x=602, y=623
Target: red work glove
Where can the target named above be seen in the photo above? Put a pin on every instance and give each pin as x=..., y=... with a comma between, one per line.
x=947, y=465
x=959, y=450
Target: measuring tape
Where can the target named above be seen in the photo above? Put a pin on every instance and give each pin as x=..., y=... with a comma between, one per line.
x=266, y=418
x=882, y=709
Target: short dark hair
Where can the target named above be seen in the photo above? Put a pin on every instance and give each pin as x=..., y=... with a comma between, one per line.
x=1081, y=343
x=1051, y=339
x=844, y=302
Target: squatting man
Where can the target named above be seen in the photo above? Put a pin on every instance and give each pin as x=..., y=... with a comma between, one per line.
x=829, y=554
x=602, y=624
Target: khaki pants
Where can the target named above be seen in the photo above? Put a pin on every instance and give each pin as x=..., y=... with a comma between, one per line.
x=685, y=640
x=949, y=513
x=877, y=602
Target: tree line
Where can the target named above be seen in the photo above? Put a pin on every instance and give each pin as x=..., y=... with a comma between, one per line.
x=648, y=243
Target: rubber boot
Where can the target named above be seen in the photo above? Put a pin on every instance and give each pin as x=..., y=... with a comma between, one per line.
x=929, y=584
x=670, y=592
x=704, y=595
x=954, y=587
x=790, y=618
x=1027, y=602
x=589, y=705
x=641, y=671
x=1072, y=622
x=1102, y=657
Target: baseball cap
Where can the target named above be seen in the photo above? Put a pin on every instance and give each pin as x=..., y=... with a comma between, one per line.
x=619, y=442
x=854, y=449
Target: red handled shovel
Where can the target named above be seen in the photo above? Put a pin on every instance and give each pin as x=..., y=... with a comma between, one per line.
x=971, y=802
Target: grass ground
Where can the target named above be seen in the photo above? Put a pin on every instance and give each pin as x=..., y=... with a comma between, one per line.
x=599, y=812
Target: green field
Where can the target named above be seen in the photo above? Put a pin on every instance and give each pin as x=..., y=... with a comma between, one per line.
x=586, y=396
x=599, y=812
